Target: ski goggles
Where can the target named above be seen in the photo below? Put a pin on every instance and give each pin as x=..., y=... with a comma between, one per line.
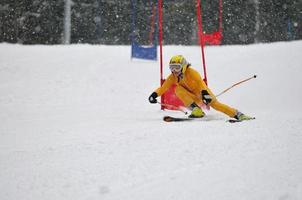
x=175, y=67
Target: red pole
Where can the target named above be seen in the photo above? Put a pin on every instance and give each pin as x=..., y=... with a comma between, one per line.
x=160, y=27
x=201, y=41
x=152, y=25
x=220, y=16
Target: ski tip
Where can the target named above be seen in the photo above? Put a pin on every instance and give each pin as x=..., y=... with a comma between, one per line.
x=167, y=119
x=237, y=120
x=176, y=119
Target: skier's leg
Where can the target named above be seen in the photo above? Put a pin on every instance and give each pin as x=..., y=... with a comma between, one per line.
x=190, y=101
x=186, y=97
x=231, y=112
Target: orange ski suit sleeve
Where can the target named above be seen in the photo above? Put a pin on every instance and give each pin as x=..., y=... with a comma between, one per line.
x=166, y=85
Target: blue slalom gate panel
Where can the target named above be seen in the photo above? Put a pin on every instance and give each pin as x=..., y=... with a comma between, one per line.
x=143, y=52
x=139, y=37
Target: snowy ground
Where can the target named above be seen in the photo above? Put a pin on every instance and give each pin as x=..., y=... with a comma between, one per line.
x=75, y=123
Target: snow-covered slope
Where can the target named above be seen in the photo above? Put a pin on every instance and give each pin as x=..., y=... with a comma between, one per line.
x=75, y=123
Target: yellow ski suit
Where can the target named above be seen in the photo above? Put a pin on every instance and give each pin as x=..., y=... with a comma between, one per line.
x=188, y=90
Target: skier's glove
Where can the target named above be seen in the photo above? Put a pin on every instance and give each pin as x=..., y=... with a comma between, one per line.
x=206, y=97
x=152, y=97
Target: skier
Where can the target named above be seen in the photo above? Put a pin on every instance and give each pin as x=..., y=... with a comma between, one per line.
x=192, y=90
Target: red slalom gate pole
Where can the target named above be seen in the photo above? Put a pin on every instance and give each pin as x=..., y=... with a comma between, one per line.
x=201, y=40
x=220, y=16
x=160, y=38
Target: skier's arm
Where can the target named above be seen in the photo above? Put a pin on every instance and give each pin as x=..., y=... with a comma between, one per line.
x=205, y=93
x=195, y=76
x=159, y=91
x=166, y=85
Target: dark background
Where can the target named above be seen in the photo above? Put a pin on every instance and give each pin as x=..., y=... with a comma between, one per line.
x=110, y=21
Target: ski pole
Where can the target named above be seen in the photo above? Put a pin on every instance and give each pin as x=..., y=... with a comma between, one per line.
x=173, y=107
x=224, y=91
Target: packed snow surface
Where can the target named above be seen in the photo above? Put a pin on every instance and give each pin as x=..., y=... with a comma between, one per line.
x=75, y=123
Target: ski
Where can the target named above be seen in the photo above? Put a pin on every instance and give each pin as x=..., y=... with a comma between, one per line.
x=181, y=119
x=238, y=120
x=177, y=119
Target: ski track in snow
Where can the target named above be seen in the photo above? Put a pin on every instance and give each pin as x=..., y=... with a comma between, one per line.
x=76, y=124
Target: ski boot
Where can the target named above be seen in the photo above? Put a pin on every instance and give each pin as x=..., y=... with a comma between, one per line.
x=240, y=116
x=196, y=111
